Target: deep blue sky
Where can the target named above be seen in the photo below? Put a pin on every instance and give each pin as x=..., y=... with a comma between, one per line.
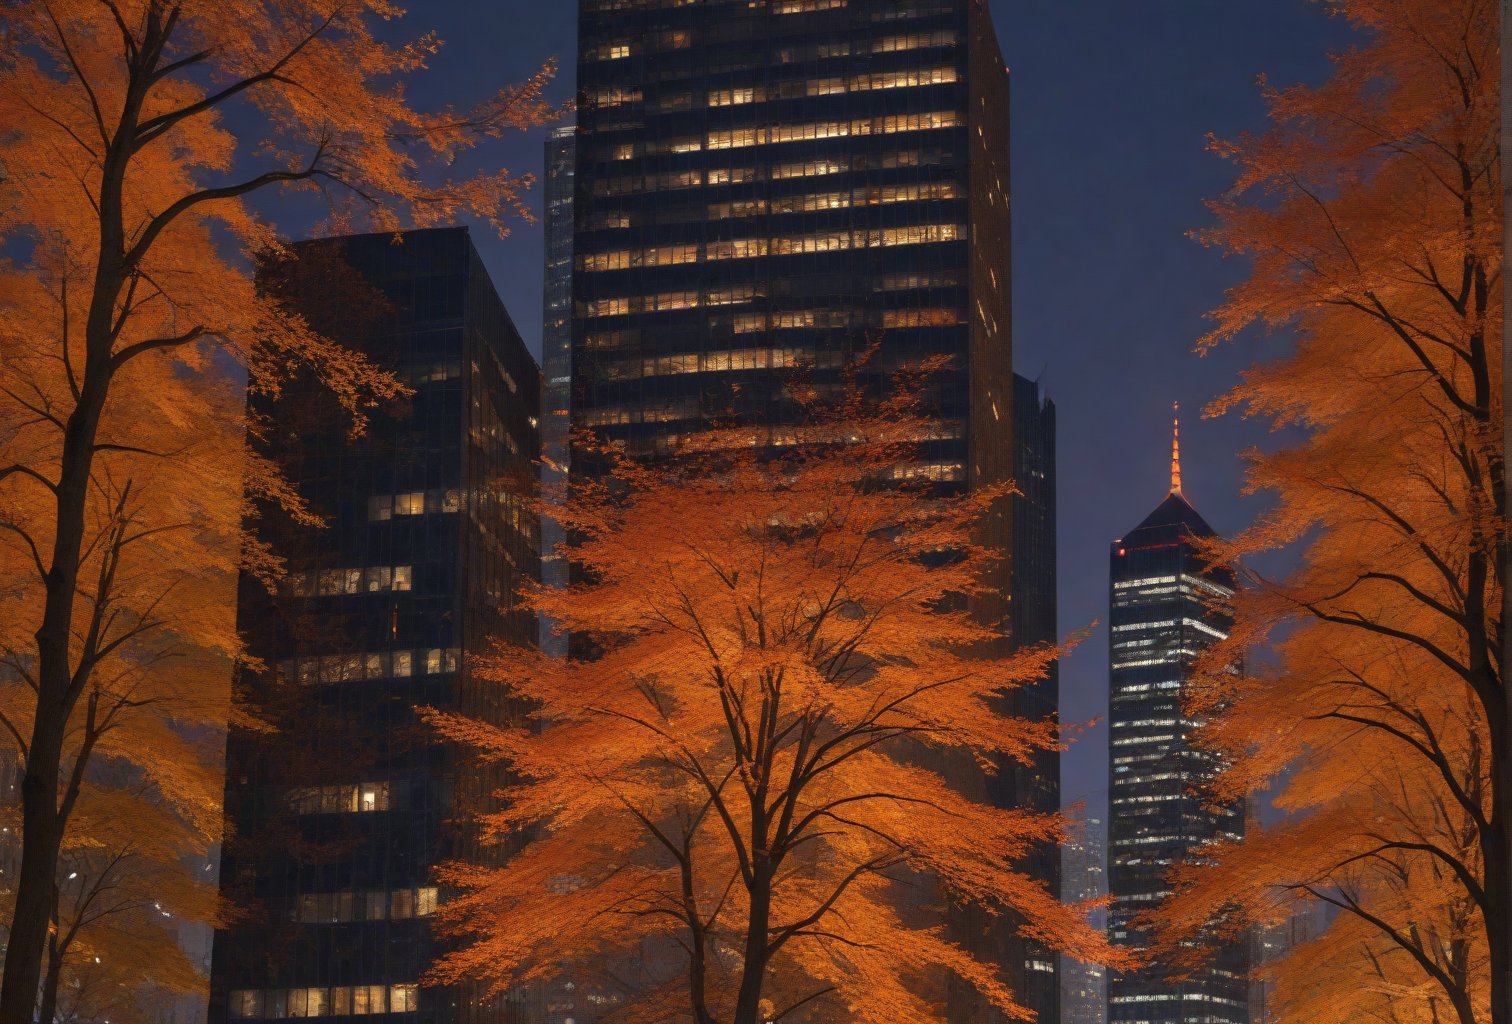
x=1112, y=102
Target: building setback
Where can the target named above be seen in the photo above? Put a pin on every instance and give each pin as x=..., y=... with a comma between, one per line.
x=767, y=184
x=1161, y=616
x=337, y=821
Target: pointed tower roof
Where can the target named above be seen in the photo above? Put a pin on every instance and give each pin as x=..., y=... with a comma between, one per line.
x=1176, y=510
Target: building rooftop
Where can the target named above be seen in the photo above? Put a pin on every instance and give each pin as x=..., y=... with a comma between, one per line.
x=1175, y=510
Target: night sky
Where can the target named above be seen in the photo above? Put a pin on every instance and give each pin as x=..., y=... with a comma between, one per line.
x=1112, y=102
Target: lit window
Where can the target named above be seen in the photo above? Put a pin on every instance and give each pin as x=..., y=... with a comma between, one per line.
x=404, y=998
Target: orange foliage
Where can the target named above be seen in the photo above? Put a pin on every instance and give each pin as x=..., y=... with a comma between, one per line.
x=128, y=318
x=738, y=787
x=1371, y=212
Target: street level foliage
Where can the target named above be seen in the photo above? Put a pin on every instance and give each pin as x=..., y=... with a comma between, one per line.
x=744, y=787
x=1371, y=213
x=128, y=320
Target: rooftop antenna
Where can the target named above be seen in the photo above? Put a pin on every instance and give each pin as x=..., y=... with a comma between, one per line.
x=1176, y=448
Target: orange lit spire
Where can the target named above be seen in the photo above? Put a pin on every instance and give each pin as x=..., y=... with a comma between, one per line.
x=1176, y=448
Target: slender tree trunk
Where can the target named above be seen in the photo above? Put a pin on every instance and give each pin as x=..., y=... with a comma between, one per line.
x=49, y=1010
x=753, y=976
x=57, y=693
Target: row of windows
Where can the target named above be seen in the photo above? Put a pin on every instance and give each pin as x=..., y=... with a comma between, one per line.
x=890, y=124
x=893, y=12
x=783, y=437
x=650, y=43
x=672, y=255
x=413, y=375
x=343, y=1000
x=904, y=79
x=752, y=248
x=738, y=294
x=340, y=668
x=370, y=905
x=940, y=472
x=1171, y=656
x=776, y=358
x=382, y=507
x=619, y=95
x=814, y=202
x=679, y=40
x=355, y=798
x=631, y=184
x=372, y=579
x=719, y=360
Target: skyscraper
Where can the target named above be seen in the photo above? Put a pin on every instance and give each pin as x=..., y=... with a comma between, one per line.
x=1161, y=616
x=1084, y=876
x=338, y=819
x=765, y=184
x=556, y=352
x=1033, y=621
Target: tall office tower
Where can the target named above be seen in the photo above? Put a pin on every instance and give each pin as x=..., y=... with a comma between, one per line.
x=556, y=353
x=338, y=820
x=1033, y=619
x=1269, y=944
x=764, y=184
x=1161, y=616
x=1084, y=986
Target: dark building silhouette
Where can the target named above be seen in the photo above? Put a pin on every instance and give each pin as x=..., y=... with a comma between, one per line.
x=337, y=820
x=1033, y=621
x=556, y=353
x=1161, y=616
x=760, y=186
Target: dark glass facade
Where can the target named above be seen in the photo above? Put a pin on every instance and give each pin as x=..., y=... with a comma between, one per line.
x=767, y=184
x=1034, y=620
x=338, y=818
x=1161, y=616
x=556, y=352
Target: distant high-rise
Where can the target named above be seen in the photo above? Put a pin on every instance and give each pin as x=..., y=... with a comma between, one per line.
x=767, y=184
x=1162, y=615
x=1084, y=876
x=1269, y=944
x=556, y=352
x=1034, y=621
x=338, y=819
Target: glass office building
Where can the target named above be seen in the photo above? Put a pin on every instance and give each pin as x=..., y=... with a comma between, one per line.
x=767, y=184
x=337, y=820
x=1084, y=876
x=556, y=354
x=1165, y=607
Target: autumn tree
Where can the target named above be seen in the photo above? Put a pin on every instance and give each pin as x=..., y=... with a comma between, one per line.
x=744, y=777
x=126, y=313
x=1370, y=212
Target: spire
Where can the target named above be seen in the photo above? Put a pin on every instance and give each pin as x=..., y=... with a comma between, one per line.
x=1176, y=448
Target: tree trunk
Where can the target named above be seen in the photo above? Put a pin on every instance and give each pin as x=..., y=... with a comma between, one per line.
x=39, y=858
x=49, y=1010
x=57, y=689
x=753, y=973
